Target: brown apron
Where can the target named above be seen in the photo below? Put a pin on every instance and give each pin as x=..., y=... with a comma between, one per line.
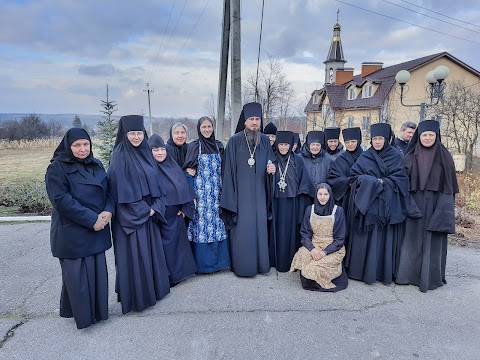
x=322, y=271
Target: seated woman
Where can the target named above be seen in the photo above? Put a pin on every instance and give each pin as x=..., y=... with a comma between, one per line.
x=323, y=232
x=78, y=188
x=178, y=205
x=433, y=185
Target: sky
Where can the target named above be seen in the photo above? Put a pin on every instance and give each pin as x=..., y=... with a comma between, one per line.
x=57, y=56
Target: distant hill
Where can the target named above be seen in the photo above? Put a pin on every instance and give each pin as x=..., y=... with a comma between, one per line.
x=64, y=119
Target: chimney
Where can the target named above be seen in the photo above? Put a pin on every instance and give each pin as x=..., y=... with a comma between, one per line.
x=370, y=67
x=343, y=76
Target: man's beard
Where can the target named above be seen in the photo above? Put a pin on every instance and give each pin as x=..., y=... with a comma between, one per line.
x=253, y=137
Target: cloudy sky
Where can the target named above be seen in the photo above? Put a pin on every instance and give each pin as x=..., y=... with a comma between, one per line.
x=57, y=56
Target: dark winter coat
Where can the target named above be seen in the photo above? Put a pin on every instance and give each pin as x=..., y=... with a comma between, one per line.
x=77, y=198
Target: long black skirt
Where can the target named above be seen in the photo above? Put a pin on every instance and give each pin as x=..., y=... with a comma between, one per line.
x=284, y=243
x=373, y=253
x=142, y=273
x=178, y=252
x=84, y=290
x=340, y=283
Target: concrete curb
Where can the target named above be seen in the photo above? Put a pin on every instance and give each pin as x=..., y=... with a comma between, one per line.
x=24, y=218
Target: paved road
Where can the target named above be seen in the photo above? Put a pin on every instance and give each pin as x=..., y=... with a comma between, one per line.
x=221, y=316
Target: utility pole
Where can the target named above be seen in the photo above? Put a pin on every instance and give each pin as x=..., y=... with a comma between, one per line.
x=222, y=77
x=236, y=69
x=148, y=91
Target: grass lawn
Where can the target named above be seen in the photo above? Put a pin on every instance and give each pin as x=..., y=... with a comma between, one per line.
x=22, y=165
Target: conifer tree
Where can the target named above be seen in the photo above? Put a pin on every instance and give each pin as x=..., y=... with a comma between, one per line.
x=107, y=131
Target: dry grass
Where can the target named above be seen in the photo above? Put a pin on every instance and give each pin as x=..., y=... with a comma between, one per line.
x=29, y=144
x=469, y=197
x=22, y=165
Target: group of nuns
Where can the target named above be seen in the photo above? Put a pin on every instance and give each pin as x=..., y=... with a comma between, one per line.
x=371, y=216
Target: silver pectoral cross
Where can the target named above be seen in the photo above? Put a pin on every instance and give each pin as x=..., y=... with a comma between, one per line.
x=282, y=185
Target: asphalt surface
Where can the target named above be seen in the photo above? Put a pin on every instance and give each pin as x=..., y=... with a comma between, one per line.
x=221, y=316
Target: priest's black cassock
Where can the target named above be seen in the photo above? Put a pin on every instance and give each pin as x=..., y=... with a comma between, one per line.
x=142, y=275
x=245, y=199
x=179, y=197
x=289, y=204
x=433, y=185
x=376, y=211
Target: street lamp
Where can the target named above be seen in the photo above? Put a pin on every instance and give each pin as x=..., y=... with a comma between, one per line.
x=434, y=88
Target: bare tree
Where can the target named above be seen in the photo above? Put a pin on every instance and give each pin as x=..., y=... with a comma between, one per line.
x=273, y=90
x=460, y=116
x=210, y=107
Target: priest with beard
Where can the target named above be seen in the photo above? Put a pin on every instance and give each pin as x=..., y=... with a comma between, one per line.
x=246, y=201
x=377, y=209
x=334, y=146
x=293, y=193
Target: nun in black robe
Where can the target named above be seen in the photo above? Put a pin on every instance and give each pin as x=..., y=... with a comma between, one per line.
x=245, y=201
x=433, y=185
x=333, y=133
x=324, y=227
x=376, y=211
x=142, y=272
x=339, y=177
x=292, y=185
x=82, y=206
x=271, y=131
x=296, y=141
x=178, y=152
x=207, y=231
x=319, y=164
x=178, y=204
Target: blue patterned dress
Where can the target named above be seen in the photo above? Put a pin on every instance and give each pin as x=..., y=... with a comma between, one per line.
x=207, y=231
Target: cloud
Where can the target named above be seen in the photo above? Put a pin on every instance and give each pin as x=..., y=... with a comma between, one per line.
x=58, y=56
x=97, y=70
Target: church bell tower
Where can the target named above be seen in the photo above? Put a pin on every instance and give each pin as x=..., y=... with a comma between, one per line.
x=335, y=59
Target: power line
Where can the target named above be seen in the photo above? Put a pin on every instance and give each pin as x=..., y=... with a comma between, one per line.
x=163, y=37
x=258, y=57
x=406, y=22
x=188, y=38
x=174, y=28
x=435, y=12
x=431, y=17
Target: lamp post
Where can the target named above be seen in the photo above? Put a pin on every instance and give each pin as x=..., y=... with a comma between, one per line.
x=435, y=87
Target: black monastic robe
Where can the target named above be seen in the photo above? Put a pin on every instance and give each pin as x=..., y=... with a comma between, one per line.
x=244, y=204
x=377, y=209
x=289, y=208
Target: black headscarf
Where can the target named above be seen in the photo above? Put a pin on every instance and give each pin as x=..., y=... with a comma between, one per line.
x=332, y=133
x=270, y=129
x=385, y=130
x=354, y=133
x=327, y=209
x=133, y=170
x=64, y=153
x=249, y=110
x=178, y=152
x=209, y=146
x=314, y=137
x=171, y=176
x=430, y=168
x=296, y=140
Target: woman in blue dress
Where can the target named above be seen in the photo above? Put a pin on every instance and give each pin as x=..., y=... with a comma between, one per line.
x=207, y=231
